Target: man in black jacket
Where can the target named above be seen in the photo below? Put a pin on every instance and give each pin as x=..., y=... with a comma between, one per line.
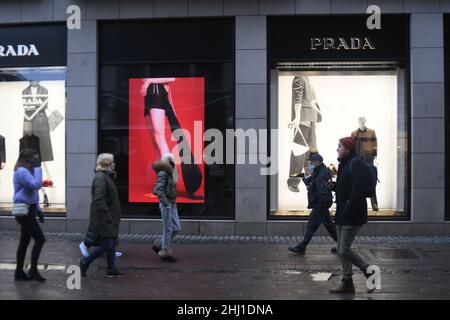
x=351, y=210
x=320, y=200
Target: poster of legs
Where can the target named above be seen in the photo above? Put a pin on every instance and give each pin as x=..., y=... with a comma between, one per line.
x=316, y=109
x=166, y=115
x=33, y=115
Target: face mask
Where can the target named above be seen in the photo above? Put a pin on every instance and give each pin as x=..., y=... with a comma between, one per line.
x=111, y=173
x=311, y=168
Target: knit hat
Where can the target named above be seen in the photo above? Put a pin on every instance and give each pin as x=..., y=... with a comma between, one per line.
x=315, y=157
x=349, y=143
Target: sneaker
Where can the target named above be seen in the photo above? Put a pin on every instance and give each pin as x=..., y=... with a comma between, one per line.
x=83, y=267
x=156, y=249
x=334, y=250
x=21, y=276
x=166, y=255
x=346, y=286
x=118, y=254
x=114, y=274
x=298, y=249
x=84, y=250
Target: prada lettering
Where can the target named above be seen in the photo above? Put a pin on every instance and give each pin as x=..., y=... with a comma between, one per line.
x=342, y=44
x=19, y=50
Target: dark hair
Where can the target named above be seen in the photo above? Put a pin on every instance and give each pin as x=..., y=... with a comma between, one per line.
x=25, y=158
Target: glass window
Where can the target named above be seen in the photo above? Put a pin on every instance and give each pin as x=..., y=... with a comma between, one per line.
x=317, y=104
x=33, y=107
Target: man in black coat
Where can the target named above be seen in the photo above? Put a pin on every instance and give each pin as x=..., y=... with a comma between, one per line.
x=351, y=210
x=2, y=152
x=320, y=200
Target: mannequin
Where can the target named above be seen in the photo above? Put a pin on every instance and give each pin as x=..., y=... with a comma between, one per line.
x=305, y=113
x=31, y=141
x=366, y=149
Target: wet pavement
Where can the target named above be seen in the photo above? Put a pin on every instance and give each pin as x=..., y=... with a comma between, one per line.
x=220, y=268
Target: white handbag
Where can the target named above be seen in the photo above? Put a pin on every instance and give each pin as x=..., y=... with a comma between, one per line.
x=20, y=209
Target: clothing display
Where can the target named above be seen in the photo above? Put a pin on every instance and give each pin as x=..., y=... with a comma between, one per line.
x=30, y=142
x=35, y=103
x=157, y=97
x=304, y=137
x=2, y=149
x=366, y=149
x=366, y=144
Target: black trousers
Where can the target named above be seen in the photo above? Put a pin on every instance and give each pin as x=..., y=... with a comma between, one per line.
x=29, y=228
x=316, y=218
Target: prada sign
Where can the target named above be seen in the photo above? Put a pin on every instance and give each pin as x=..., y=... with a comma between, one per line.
x=318, y=38
x=342, y=44
x=33, y=45
x=19, y=50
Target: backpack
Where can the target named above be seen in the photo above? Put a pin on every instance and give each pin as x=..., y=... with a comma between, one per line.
x=371, y=178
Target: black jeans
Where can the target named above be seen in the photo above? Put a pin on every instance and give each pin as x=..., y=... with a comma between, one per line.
x=108, y=245
x=316, y=218
x=29, y=228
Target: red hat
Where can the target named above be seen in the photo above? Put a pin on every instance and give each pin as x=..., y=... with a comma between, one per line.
x=349, y=143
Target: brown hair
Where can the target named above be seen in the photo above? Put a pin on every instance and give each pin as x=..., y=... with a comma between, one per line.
x=25, y=159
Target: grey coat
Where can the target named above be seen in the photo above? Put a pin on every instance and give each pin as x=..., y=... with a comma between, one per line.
x=165, y=188
x=303, y=93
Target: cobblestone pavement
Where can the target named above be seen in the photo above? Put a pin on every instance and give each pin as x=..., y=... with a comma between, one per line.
x=223, y=268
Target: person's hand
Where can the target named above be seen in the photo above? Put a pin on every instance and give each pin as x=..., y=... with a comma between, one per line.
x=330, y=184
x=36, y=161
x=144, y=87
x=47, y=183
x=2, y=165
x=40, y=216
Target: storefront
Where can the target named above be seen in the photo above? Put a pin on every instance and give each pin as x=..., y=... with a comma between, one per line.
x=141, y=77
x=33, y=103
x=336, y=78
x=180, y=78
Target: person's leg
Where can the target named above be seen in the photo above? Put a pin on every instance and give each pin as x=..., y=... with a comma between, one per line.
x=314, y=221
x=329, y=225
x=97, y=252
x=110, y=246
x=24, y=241
x=347, y=254
x=157, y=122
x=346, y=286
x=374, y=202
x=167, y=226
x=39, y=239
x=176, y=227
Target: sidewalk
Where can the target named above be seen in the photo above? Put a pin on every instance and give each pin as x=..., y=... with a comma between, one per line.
x=225, y=268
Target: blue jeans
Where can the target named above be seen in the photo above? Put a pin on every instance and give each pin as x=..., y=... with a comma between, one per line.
x=345, y=237
x=108, y=246
x=171, y=224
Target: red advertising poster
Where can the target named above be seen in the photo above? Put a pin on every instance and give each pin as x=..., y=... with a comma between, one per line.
x=158, y=108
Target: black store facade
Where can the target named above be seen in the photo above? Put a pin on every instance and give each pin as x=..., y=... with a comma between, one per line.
x=92, y=87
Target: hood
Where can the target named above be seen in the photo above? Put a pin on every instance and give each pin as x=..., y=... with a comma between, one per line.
x=162, y=166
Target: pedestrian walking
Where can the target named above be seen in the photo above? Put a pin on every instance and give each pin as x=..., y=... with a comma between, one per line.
x=320, y=200
x=105, y=216
x=27, y=182
x=166, y=190
x=351, y=210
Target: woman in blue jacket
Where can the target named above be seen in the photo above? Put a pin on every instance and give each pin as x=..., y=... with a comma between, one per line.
x=27, y=182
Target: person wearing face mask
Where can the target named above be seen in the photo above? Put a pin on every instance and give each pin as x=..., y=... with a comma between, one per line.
x=166, y=190
x=105, y=216
x=320, y=200
x=351, y=210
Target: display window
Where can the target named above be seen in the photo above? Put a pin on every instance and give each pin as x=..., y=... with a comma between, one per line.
x=338, y=79
x=33, y=107
x=161, y=96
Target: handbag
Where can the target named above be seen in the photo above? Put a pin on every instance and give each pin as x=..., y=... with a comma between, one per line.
x=20, y=209
x=54, y=119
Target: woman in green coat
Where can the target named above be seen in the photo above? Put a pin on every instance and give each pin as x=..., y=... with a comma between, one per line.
x=105, y=215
